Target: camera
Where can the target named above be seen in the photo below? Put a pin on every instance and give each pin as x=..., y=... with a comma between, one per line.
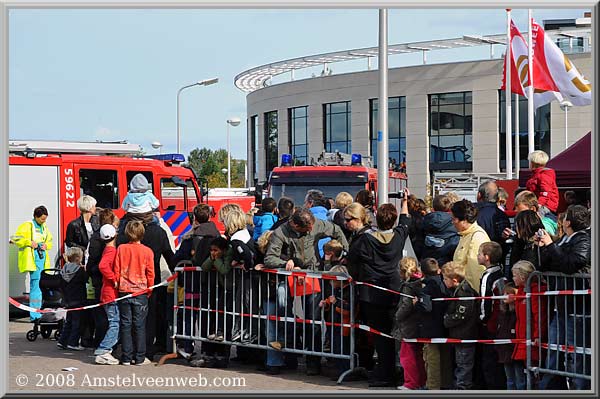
x=511, y=237
x=540, y=233
x=398, y=195
x=40, y=251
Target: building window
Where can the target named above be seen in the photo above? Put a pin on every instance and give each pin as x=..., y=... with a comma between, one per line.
x=270, y=141
x=298, y=128
x=254, y=144
x=541, y=126
x=337, y=127
x=450, y=131
x=396, y=130
x=570, y=45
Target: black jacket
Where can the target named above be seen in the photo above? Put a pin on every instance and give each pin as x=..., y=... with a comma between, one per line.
x=461, y=318
x=492, y=283
x=440, y=237
x=416, y=233
x=74, y=291
x=408, y=320
x=432, y=322
x=570, y=257
x=493, y=221
x=373, y=258
x=77, y=236
x=95, y=255
x=201, y=236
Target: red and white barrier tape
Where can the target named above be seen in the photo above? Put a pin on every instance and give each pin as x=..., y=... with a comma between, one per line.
x=567, y=349
x=61, y=311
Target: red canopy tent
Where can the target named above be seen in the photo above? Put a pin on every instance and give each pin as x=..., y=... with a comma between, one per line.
x=573, y=166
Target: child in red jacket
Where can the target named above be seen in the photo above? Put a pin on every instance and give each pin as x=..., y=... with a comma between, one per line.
x=521, y=271
x=543, y=183
x=109, y=293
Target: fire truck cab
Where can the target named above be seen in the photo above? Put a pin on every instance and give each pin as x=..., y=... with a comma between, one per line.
x=332, y=174
x=57, y=173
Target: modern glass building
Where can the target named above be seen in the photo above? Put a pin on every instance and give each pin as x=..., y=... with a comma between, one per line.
x=445, y=117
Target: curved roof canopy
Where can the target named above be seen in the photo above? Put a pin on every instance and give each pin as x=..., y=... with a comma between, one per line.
x=255, y=78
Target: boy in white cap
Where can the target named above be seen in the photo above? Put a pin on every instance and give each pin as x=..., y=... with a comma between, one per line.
x=108, y=293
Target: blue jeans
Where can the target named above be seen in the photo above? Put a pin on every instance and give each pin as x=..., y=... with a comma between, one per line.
x=133, y=312
x=70, y=332
x=516, y=379
x=112, y=334
x=275, y=330
x=576, y=329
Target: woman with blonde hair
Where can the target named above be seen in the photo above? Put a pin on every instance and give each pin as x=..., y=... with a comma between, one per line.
x=246, y=289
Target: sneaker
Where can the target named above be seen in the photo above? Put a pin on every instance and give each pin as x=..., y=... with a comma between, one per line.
x=184, y=354
x=403, y=388
x=106, y=358
x=212, y=337
x=198, y=363
x=276, y=345
x=220, y=337
x=126, y=363
x=60, y=346
x=237, y=335
x=145, y=362
x=76, y=348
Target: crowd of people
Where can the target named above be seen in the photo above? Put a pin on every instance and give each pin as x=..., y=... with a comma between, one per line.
x=462, y=249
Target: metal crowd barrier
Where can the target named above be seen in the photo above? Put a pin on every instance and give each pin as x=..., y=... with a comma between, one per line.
x=564, y=348
x=258, y=309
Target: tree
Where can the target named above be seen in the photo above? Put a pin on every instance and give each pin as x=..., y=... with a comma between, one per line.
x=207, y=164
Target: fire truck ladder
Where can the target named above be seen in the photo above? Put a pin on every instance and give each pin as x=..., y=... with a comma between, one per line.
x=32, y=147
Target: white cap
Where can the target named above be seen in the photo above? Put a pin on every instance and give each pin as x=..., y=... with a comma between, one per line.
x=108, y=232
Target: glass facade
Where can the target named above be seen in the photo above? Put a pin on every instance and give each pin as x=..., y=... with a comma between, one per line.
x=298, y=130
x=270, y=141
x=337, y=127
x=254, y=145
x=396, y=130
x=450, y=131
x=541, y=125
x=569, y=45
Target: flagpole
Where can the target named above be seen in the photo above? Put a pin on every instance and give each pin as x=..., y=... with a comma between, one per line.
x=508, y=98
x=517, y=138
x=530, y=109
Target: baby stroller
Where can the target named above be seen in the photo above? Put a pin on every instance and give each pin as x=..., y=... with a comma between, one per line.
x=50, y=284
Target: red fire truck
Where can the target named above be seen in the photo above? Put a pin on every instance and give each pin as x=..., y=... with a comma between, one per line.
x=56, y=173
x=332, y=173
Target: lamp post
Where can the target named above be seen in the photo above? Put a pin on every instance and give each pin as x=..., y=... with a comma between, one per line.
x=233, y=121
x=564, y=105
x=205, y=82
x=156, y=145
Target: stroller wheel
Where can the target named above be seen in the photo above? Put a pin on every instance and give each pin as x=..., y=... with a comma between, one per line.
x=46, y=332
x=31, y=335
x=57, y=334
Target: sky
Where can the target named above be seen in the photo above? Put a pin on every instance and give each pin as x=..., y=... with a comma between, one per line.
x=105, y=74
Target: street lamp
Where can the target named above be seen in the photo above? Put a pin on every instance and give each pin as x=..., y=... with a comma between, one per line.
x=234, y=121
x=156, y=145
x=206, y=82
x=564, y=105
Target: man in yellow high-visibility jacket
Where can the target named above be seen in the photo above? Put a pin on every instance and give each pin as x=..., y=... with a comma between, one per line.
x=34, y=240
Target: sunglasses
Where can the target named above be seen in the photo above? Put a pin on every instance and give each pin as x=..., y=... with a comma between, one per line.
x=349, y=219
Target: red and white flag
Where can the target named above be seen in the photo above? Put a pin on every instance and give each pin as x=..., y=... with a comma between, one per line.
x=519, y=64
x=557, y=76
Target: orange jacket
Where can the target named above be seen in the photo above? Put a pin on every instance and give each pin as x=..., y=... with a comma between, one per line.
x=134, y=267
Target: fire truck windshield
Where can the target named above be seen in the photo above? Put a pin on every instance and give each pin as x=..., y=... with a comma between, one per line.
x=298, y=192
